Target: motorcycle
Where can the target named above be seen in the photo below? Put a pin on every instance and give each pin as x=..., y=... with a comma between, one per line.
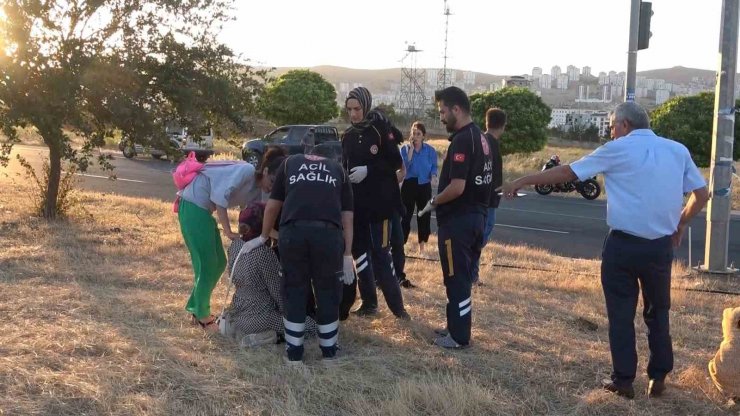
x=589, y=189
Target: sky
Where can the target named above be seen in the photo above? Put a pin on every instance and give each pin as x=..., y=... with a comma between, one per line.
x=491, y=36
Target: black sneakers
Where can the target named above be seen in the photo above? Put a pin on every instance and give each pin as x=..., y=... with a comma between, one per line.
x=365, y=311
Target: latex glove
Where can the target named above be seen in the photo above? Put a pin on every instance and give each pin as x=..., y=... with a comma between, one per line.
x=428, y=208
x=358, y=174
x=349, y=270
x=252, y=244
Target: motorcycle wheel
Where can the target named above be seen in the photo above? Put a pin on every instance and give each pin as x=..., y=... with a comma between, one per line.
x=543, y=189
x=590, y=189
x=129, y=152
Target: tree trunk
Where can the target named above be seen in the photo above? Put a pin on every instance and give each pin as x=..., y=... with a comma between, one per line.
x=55, y=174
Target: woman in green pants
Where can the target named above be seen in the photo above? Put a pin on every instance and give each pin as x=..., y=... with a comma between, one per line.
x=219, y=186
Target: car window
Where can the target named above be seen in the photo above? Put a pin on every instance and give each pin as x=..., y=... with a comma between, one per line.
x=325, y=134
x=279, y=134
x=297, y=134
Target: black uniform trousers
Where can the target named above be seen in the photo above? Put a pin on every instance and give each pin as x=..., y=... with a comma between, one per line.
x=460, y=242
x=627, y=260
x=311, y=255
x=397, y=251
x=371, y=251
x=416, y=196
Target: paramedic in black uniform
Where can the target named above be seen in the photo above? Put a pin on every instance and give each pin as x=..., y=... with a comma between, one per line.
x=315, y=196
x=461, y=206
x=371, y=157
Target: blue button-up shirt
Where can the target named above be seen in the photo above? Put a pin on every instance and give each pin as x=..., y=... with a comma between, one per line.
x=646, y=177
x=423, y=164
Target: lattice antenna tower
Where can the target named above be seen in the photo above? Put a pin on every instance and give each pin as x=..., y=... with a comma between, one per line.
x=413, y=79
x=443, y=77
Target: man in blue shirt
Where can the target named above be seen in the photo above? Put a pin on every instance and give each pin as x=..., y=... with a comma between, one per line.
x=646, y=178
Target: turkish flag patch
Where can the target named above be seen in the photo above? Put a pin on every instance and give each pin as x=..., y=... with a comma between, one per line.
x=458, y=157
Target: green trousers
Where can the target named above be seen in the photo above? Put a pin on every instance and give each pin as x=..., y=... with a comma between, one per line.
x=206, y=253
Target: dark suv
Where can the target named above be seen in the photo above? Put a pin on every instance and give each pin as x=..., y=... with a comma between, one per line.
x=296, y=139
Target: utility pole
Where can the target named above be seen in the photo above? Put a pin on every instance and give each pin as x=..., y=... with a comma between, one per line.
x=629, y=87
x=723, y=136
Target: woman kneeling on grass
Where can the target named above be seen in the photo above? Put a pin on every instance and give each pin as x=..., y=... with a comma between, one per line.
x=255, y=316
x=219, y=186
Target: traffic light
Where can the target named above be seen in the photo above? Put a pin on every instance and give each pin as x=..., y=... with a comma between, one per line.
x=644, y=34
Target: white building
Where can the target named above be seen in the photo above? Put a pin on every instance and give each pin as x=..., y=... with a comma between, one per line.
x=555, y=72
x=601, y=120
x=586, y=72
x=545, y=82
x=432, y=75
x=563, y=82
x=573, y=73
x=566, y=117
x=469, y=78
x=662, y=96
x=606, y=94
x=536, y=73
x=558, y=117
x=603, y=78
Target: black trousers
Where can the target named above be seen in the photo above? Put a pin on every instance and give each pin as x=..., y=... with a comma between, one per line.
x=629, y=265
x=416, y=196
x=311, y=255
x=397, y=251
x=460, y=243
x=371, y=251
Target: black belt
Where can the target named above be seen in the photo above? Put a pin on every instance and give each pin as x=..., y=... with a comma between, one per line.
x=628, y=236
x=314, y=223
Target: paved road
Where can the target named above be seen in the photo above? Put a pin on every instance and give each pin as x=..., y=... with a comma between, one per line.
x=571, y=227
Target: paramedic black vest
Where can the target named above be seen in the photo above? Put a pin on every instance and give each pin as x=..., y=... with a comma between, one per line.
x=312, y=188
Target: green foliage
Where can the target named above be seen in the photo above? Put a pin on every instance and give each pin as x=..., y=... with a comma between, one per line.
x=97, y=68
x=299, y=96
x=67, y=197
x=527, y=118
x=689, y=120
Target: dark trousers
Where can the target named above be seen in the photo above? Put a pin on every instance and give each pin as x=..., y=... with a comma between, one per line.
x=629, y=265
x=416, y=196
x=311, y=256
x=397, y=252
x=371, y=251
x=460, y=242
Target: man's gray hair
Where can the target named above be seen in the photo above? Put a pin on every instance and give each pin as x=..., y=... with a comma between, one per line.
x=633, y=114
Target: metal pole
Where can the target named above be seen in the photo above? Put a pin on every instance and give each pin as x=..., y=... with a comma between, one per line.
x=690, y=266
x=720, y=180
x=629, y=86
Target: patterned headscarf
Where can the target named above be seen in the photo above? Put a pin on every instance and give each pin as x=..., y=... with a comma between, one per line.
x=362, y=95
x=252, y=216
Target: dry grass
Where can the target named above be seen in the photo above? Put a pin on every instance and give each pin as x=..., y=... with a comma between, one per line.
x=94, y=324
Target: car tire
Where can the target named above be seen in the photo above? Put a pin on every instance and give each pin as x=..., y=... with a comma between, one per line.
x=129, y=152
x=158, y=157
x=253, y=158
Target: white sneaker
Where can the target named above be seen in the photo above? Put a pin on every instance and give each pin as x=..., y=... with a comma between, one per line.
x=260, y=338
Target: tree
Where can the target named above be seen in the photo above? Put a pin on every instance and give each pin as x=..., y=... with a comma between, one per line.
x=689, y=120
x=95, y=68
x=527, y=118
x=299, y=96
